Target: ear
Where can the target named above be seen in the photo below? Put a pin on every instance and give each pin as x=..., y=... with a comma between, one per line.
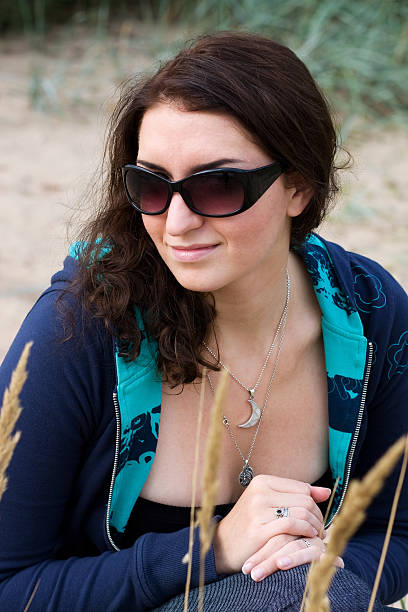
x=300, y=195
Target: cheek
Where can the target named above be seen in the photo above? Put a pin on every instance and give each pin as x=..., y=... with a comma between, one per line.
x=154, y=226
x=257, y=223
x=260, y=234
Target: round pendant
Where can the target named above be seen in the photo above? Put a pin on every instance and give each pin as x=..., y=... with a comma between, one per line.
x=246, y=475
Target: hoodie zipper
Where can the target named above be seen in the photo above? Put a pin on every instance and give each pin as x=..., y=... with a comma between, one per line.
x=115, y=467
x=357, y=429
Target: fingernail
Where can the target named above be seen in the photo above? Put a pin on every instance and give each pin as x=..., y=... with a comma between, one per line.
x=284, y=562
x=341, y=563
x=257, y=574
x=246, y=568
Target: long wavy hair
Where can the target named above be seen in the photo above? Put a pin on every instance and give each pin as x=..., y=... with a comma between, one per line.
x=271, y=92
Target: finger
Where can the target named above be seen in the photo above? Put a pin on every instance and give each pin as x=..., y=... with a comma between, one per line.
x=289, y=500
x=282, y=485
x=338, y=562
x=290, y=525
x=292, y=555
x=312, y=551
x=301, y=513
x=287, y=485
x=320, y=494
x=274, y=545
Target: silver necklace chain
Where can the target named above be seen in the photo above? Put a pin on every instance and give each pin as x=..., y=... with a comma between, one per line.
x=251, y=390
x=247, y=472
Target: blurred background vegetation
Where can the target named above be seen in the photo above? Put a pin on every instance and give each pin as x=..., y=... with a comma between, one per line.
x=357, y=50
x=61, y=62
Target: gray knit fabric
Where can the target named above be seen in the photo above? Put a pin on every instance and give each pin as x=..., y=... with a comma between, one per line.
x=281, y=592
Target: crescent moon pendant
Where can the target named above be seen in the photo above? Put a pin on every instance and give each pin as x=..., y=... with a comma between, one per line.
x=255, y=415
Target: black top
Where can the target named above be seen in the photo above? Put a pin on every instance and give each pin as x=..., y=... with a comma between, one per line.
x=148, y=516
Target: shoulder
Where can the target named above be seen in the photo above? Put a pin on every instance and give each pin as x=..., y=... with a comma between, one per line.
x=382, y=305
x=370, y=287
x=57, y=322
x=71, y=363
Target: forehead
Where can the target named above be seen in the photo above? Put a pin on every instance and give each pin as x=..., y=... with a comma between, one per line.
x=168, y=132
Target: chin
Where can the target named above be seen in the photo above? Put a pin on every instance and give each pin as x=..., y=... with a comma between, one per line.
x=198, y=281
x=197, y=286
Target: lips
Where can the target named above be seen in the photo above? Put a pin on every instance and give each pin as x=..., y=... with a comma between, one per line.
x=192, y=252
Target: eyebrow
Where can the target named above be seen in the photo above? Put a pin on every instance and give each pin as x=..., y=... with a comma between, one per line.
x=217, y=163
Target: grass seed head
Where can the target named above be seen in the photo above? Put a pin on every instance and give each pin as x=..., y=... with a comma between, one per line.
x=9, y=414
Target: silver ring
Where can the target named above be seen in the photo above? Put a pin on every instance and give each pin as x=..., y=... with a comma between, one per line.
x=281, y=512
x=308, y=544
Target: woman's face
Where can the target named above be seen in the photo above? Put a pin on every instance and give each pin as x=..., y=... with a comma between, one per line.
x=203, y=253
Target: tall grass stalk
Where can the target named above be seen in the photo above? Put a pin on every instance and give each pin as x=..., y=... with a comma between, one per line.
x=193, y=493
x=209, y=485
x=390, y=526
x=9, y=414
x=349, y=519
x=326, y=516
x=30, y=601
x=329, y=505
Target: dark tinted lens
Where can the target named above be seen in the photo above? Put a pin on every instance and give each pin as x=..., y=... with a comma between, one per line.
x=146, y=191
x=219, y=193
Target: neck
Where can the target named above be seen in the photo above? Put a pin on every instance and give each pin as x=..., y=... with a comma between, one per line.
x=247, y=315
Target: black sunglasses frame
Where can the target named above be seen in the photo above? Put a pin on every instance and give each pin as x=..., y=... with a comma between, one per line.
x=254, y=182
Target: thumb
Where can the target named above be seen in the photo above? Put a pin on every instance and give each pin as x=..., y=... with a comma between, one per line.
x=320, y=494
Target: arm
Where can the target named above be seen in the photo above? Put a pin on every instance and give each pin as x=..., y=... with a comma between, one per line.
x=387, y=420
x=139, y=578
x=51, y=516
x=362, y=556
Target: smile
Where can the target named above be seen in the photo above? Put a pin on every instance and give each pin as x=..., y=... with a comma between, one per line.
x=191, y=253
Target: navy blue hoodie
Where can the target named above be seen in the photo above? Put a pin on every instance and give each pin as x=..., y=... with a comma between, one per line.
x=60, y=529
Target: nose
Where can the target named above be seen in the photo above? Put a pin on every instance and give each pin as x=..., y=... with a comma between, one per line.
x=180, y=219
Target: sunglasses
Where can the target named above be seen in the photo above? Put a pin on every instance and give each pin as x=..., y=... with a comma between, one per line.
x=221, y=192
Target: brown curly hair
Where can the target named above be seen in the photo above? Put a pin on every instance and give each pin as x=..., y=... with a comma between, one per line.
x=271, y=92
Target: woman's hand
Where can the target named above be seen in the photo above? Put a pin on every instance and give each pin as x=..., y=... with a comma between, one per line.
x=283, y=552
x=252, y=522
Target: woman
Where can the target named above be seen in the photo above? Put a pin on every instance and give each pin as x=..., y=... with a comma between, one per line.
x=221, y=165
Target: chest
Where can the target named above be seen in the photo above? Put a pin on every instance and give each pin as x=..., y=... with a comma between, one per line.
x=292, y=440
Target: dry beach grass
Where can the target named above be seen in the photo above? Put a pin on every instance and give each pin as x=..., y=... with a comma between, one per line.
x=9, y=414
x=351, y=516
x=349, y=519
x=346, y=523
x=210, y=481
